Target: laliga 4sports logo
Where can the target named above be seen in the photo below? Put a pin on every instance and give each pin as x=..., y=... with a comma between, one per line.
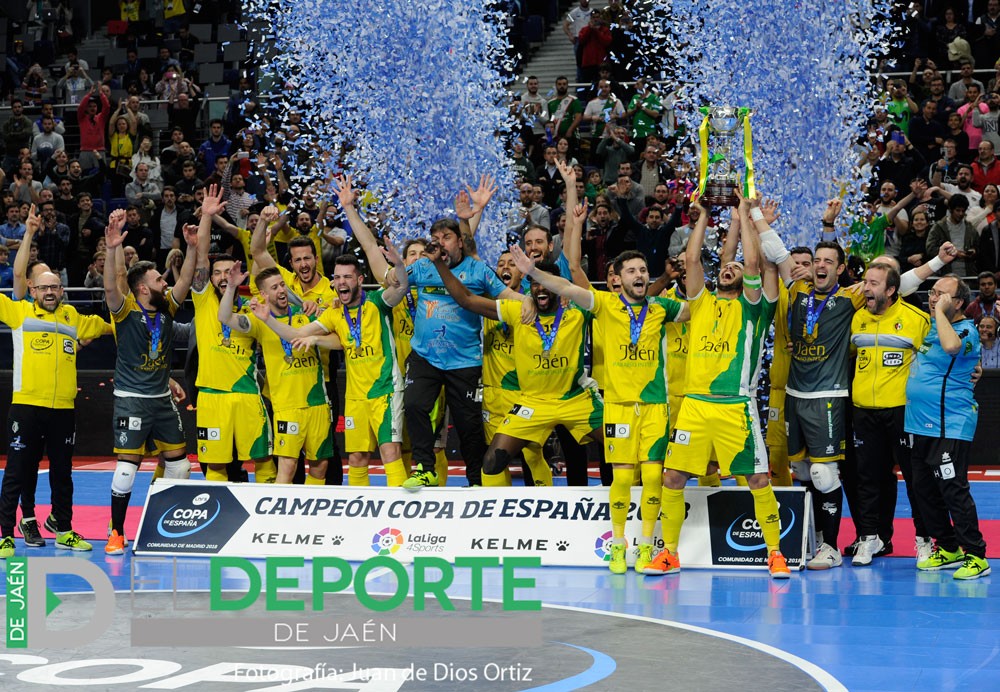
x=388, y=541
x=185, y=518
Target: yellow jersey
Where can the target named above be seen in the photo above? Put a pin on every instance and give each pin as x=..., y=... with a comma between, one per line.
x=723, y=348
x=365, y=334
x=633, y=369
x=886, y=346
x=294, y=378
x=402, y=326
x=781, y=360
x=499, y=369
x=226, y=359
x=675, y=349
x=45, y=347
x=557, y=372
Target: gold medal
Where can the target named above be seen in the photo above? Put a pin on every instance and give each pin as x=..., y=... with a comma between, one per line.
x=632, y=350
x=226, y=341
x=289, y=359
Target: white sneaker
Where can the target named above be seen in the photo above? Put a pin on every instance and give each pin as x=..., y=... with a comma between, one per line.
x=925, y=546
x=826, y=557
x=866, y=549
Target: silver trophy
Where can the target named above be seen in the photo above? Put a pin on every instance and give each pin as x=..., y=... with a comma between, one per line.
x=720, y=189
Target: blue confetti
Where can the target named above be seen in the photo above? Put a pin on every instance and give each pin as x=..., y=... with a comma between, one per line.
x=408, y=94
x=803, y=68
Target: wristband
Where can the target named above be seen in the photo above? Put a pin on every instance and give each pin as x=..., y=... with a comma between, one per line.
x=829, y=224
x=385, y=279
x=756, y=214
x=752, y=281
x=937, y=264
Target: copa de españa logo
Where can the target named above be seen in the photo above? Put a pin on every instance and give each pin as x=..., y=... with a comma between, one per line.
x=387, y=541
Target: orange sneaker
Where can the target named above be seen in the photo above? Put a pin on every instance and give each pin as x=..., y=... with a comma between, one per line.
x=665, y=562
x=777, y=565
x=116, y=544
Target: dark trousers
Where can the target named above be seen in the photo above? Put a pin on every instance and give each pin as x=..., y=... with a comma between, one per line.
x=941, y=486
x=34, y=431
x=462, y=394
x=335, y=467
x=880, y=443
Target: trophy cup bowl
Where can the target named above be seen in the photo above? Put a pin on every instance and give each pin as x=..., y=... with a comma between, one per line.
x=720, y=188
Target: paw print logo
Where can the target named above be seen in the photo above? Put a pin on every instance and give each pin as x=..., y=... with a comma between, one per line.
x=562, y=546
x=336, y=540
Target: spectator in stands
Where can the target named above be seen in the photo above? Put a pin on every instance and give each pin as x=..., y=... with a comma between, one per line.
x=926, y=133
x=912, y=246
x=24, y=187
x=34, y=85
x=576, y=19
x=612, y=151
x=165, y=63
x=897, y=165
x=173, y=85
x=74, y=85
x=92, y=127
x=987, y=122
x=963, y=185
x=17, y=134
x=65, y=200
x=85, y=183
x=85, y=230
x=188, y=184
x=548, y=176
x=184, y=114
x=985, y=169
x=593, y=44
x=651, y=171
x=524, y=170
x=119, y=153
x=13, y=230
x=625, y=189
x=900, y=106
x=565, y=111
x=53, y=239
x=603, y=240
x=974, y=102
x=46, y=143
x=47, y=112
x=604, y=109
x=144, y=87
x=986, y=303
x=238, y=200
x=169, y=153
x=143, y=192
x=140, y=237
x=529, y=213
x=645, y=110
x=219, y=172
x=145, y=156
x=983, y=214
x=990, y=355
x=945, y=169
x=957, y=91
x=167, y=223
x=986, y=44
x=94, y=277
x=6, y=271
x=187, y=41
x=138, y=122
x=131, y=69
x=962, y=235
x=921, y=90
x=532, y=108
x=950, y=27
x=109, y=80
x=185, y=154
x=956, y=132
x=994, y=83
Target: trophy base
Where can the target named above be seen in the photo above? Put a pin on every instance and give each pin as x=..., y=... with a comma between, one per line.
x=720, y=194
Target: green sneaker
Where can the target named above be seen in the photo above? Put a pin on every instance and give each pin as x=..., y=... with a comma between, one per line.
x=644, y=557
x=618, y=564
x=421, y=479
x=973, y=568
x=71, y=540
x=6, y=547
x=940, y=558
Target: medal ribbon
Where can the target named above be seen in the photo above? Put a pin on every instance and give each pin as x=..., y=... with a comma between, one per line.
x=153, y=325
x=411, y=306
x=226, y=329
x=549, y=339
x=635, y=326
x=287, y=345
x=812, y=314
x=355, y=325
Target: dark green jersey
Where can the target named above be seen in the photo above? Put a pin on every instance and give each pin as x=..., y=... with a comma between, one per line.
x=145, y=348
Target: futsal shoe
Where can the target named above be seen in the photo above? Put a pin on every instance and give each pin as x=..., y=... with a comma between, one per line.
x=924, y=547
x=617, y=565
x=116, y=544
x=29, y=529
x=826, y=557
x=973, y=568
x=421, y=479
x=6, y=547
x=941, y=558
x=868, y=547
x=778, y=566
x=644, y=556
x=109, y=532
x=665, y=562
x=71, y=540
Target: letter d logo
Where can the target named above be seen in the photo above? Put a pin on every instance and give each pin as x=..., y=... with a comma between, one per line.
x=29, y=603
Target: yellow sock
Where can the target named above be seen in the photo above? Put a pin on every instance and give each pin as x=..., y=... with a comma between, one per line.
x=710, y=481
x=441, y=467
x=408, y=463
x=652, y=482
x=672, y=511
x=781, y=470
x=742, y=481
x=765, y=506
x=215, y=473
x=541, y=472
x=619, y=498
x=357, y=475
x=311, y=480
x=395, y=473
x=158, y=471
x=265, y=471
x=496, y=480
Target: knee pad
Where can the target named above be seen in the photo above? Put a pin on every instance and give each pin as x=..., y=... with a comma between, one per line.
x=496, y=461
x=177, y=468
x=825, y=477
x=801, y=470
x=123, y=478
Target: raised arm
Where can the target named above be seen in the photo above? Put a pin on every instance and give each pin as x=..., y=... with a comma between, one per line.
x=395, y=293
x=462, y=295
x=751, y=256
x=911, y=280
x=31, y=225
x=258, y=241
x=571, y=244
x=343, y=186
x=480, y=197
x=234, y=320
x=694, y=279
x=186, y=275
x=113, y=238
x=732, y=243
x=211, y=208
x=581, y=296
